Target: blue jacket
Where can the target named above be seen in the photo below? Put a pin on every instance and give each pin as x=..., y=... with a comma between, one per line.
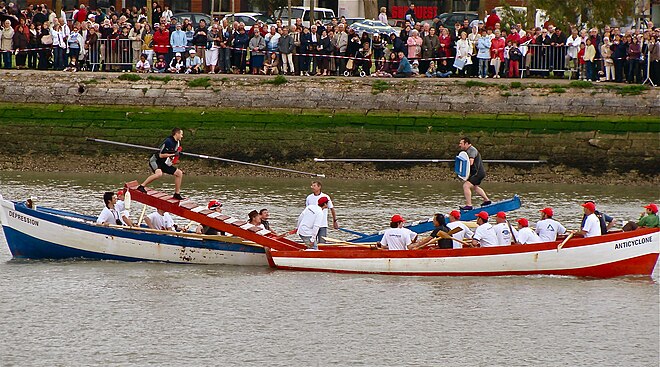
x=483, y=48
x=178, y=41
x=404, y=66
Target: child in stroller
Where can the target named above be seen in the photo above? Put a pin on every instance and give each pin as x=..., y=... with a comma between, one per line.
x=362, y=64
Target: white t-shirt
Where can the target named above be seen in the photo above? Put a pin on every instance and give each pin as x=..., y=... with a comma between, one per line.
x=108, y=216
x=465, y=233
x=398, y=238
x=503, y=233
x=548, y=229
x=310, y=220
x=485, y=234
x=314, y=200
x=527, y=236
x=121, y=209
x=162, y=222
x=591, y=226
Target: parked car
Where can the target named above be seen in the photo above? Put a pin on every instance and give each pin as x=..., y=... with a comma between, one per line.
x=193, y=17
x=249, y=19
x=449, y=20
x=303, y=13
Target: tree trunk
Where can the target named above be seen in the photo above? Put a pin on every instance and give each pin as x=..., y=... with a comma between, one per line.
x=311, y=12
x=58, y=8
x=482, y=9
x=370, y=9
x=150, y=12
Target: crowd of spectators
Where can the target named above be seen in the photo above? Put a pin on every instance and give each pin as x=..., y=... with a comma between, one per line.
x=37, y=38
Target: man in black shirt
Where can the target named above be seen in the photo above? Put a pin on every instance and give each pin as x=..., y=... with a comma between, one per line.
x=164, y=161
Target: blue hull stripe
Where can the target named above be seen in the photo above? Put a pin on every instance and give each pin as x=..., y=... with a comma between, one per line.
x=141, y=236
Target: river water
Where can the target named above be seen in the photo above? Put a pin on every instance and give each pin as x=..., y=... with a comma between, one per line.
x=71, y=313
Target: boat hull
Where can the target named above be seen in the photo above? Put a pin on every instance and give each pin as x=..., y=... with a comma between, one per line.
x=36, y=234
x=619, y=254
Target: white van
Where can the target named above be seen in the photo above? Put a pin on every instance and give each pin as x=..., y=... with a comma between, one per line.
x=303, y=13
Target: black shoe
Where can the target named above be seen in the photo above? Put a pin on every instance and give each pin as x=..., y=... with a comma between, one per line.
x=467, y=207
x=177, y=196
x=141, y=189
x=487, y=202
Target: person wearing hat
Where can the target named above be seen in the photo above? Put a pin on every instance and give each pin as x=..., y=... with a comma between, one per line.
x=484, y=235
x=396, y=237
x=591, y=226
x=606, y=221
x=193, y=63
x=650, y=217
x=548, y=228
x=214, y=206
x=160, y=66
x=161, y=42
x=177, y=65
x=503, y=230
x=160, y=220
x=455, y=222
x=526, y=235
x=310, y=221
x=120, y=205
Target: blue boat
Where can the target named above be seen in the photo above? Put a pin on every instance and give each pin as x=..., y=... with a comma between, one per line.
x=44, y=233
x=466, y=215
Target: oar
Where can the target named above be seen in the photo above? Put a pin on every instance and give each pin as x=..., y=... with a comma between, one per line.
x=287, y=233
x=202, y=156
x=144, y=209
x=445, y=235
x=565, y=240
x=512, y=235
x=423, y=160
x=346, y=243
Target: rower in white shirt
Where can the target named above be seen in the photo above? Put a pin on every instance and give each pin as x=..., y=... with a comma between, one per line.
x=503, y=230
x=591, y=225
x=396, y=237
x=161, y=220
x=484, y=235
x=526, y=235
x=455, y=222
x=109, y=214
x=310, y=222
x=548, y=228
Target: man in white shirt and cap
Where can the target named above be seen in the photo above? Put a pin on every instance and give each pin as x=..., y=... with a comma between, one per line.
x=455, y=222
x=310, y=222
x=396, y=237
x=526, y=235
x=591, y=225
x=484, y=235
x=313, y=198
x=503, y=230
x=548, y=228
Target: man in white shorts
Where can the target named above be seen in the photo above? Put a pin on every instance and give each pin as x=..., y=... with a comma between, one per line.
x=503, y=230
x=526, y=235
x=455, y=222
x=312, y=199
x=548, y=228
x=396, y=237
x=484, y=235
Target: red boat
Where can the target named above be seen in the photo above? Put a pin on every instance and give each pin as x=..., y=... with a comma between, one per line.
x=611, y=255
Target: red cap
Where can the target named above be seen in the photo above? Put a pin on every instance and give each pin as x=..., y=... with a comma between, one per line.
x=547, y=211
x=121, y=192
x=589, y=205
x=456, y=214
x=483, y=215
x=653, y=207
x=213, y=204
x=501, y=215
x=396, y=218
x=323, y=200
x=523, y=222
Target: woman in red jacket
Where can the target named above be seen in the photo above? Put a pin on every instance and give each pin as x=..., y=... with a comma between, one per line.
x=161, y=42
x=497, y=52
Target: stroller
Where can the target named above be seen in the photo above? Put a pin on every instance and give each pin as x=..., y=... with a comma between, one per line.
x=360, y=65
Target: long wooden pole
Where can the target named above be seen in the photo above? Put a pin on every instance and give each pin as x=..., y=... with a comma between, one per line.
x=520, y=161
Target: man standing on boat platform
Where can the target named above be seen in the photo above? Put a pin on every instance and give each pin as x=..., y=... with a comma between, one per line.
x=477, y=174
x=310, y=222
x=164, y=161
x=313, y=198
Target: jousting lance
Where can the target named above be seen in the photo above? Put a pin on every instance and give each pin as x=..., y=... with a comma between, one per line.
x=424, y=160
x=202, y=156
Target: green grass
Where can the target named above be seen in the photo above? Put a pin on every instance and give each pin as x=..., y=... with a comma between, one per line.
x=278, y=80
x=557, y=89
x=130, y=77
x=632, y=90
x=474, y=83
x=204, y=82
x=581, y=84
x=505, y=94
x=164, y=79
x=90, y=81
x=503, y=87
x=379, y=86
x=516, y=85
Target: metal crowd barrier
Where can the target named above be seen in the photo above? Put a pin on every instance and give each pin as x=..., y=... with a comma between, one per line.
x=112, y=54
x=544, y=59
